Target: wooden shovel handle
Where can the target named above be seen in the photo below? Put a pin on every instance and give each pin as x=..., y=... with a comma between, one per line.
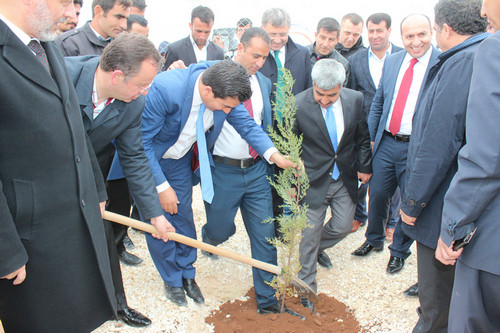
x=192, y=242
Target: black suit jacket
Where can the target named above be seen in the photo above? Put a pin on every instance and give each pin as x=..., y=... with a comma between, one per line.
x=361, y=79
x=118, y=121
x=49, y=213
x=183, y=50
x=353, y=153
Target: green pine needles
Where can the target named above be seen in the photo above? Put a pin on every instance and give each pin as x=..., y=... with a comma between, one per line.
x=291, y=185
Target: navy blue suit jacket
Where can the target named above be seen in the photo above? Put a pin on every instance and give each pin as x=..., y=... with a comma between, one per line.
x=361, y=78
x=168, y=105
x=381, y=105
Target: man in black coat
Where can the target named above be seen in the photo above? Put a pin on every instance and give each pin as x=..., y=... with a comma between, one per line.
x=350, y=40
x=52, y=239
x=196, y=46
x=113, y=112
x=336, y=153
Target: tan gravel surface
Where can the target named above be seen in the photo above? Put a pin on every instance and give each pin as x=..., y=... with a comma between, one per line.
x=361, y=283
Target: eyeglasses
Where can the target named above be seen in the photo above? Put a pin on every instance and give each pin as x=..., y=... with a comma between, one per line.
x=283, y=34
x=142, y=88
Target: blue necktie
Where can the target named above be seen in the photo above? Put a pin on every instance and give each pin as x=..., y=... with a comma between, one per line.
x=207, y=187
x=331, y=126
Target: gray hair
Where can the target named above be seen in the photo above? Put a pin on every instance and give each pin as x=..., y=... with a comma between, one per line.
x=328, y=74
x=276, y=17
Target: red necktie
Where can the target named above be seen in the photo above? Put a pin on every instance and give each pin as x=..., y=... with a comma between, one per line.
x=399, y=105
x=248, y=106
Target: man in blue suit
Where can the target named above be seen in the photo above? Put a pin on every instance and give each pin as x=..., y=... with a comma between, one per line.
x=366, y=70
x=390, y=125
x=240, y=174
x=171, y=116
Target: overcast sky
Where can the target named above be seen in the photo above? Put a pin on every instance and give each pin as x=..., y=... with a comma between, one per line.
x=168, y=20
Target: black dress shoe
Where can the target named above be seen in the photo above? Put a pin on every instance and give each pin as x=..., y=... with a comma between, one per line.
x=324, y=260
x=176, y=295
x=192, y=290
x=129, y=259
x=129, y=245
x=412, y=291
x=395, y=265
x=276, y=308
x=210, y=255
x=307, y=304
x=133, y=318
x=366, y=248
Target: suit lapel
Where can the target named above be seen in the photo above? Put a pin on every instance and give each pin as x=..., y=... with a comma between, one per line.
x=347, y=112
x=210, y=51
x=189, y=51
x=84, y=88
x=109, y=112
x=366, y=68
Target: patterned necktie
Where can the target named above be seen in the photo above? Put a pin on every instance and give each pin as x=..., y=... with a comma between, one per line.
x=207, y=187
x=36, y=47
x=399, y=105
x=281, y=81
x=248, y=106
x=331, y=126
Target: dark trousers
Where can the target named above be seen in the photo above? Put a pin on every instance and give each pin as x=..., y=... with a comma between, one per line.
x=435, y=284
x=119, y=202
x=361, y=208
x=389, y=167
x=173, y=260
x=475, y=302
x=249, y=190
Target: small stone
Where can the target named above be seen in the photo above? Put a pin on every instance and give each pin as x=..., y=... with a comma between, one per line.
x=228, y=315
x=318, y=322
x=340, y=320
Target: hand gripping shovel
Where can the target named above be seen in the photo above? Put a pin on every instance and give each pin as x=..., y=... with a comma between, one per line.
x=300, y=286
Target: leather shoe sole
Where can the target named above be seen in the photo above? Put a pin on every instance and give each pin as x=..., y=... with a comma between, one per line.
x=412, y=291
x=395, y=265
x=133, y=318
x=324, y=260
x=176, y=295
x=364, y=249
x=192, y=290
x=129, y=259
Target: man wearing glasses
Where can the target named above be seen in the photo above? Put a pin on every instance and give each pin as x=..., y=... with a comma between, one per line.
x=110, y=92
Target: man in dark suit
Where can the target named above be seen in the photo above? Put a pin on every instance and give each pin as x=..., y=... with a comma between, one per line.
x=52, y=239
x=390, y=125
x=181, y=106
x=336, y=153
x=473, y=198
x=240, y=174
x=366, y=70
x=437, y=136
x=112, y=111
x=196, y=46
x=109, y=19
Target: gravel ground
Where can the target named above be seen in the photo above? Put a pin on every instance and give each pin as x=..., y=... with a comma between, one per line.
x=361, y=283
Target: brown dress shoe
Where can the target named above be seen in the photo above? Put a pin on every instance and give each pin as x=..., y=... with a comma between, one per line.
x=389, y=233
x=356, y=224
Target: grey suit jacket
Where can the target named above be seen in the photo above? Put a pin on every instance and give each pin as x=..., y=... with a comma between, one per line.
x=361, y=78
x=183, y=50
x=121, y=122
x=353, y=152
x=381, y=105
x=80, y=41
x=473, y=199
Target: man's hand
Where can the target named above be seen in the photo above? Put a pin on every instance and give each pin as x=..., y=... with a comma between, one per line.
x=163, y=226
x=446, y=254
x=407, y=219
x=20, y=275
x=102, y=207
x=364, y=177
x=217, y=40
x=168, y=200
x=281, y=161
x=373, y=144
x=176, y=65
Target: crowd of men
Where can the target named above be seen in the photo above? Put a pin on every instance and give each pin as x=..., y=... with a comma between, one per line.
x=109, y=121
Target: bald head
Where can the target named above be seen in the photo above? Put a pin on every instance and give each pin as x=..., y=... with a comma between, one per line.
x=416, y=34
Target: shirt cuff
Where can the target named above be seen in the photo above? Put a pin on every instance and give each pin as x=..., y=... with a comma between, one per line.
x=162, y=187
x=268, y=153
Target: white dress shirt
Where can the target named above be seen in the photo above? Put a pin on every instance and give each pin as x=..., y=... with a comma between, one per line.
x=200, y=54
x=339, y=118
x=418, y=78
x=376, y=65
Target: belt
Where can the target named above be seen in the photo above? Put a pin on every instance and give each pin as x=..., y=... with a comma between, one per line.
x=245, y=163
x=399, y=137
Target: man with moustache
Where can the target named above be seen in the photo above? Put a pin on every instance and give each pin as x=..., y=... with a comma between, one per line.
x=70, y=22
x=390, y=125
x=52, y=240
x=350, y=40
